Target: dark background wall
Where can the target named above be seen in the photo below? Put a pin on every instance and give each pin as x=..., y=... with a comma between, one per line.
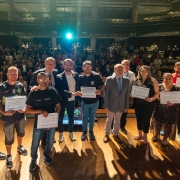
x=8, y=40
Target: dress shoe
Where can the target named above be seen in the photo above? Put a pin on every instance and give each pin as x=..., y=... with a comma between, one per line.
x=84, y=136
x=124, y=131
x=116, y=138
x=106, y=138
x=92, y=136
x=2, y=156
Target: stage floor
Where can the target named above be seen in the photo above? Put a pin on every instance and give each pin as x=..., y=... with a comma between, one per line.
x=95, y=160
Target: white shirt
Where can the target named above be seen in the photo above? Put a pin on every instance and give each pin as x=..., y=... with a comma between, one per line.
x=72, y=86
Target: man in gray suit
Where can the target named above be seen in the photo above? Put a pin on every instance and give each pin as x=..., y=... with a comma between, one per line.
x=116, y=100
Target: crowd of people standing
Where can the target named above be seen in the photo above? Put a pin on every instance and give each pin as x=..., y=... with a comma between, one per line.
x=52, y=90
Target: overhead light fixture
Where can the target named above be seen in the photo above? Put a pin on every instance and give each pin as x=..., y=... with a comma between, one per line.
x=26, y=10
x=45, y=11
x=176, y=32
x=147, y=9
x=43, y=8
x=23, y=8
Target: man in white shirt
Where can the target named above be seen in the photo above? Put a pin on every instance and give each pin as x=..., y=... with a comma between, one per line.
x=67, y=86
x=131, y=76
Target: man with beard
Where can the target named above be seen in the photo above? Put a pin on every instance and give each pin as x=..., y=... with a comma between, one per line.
x=12, y=119
x=176, y=80
x=43, y=101
x=67, y=86
x=90, y=105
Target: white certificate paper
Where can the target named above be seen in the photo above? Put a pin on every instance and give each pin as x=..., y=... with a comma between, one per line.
x=15, y=103
x=48, y=122
x=88, y=92
x=139, y=92
x=172, y=97
x=178, y=82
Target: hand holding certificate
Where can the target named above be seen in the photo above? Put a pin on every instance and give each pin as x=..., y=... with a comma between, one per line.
x=50, y=121
x=139, y=92
x=88, y=92
x=172, y=97
x=15, y=103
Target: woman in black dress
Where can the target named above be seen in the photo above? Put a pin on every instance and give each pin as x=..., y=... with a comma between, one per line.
x=166, y=115
x=145, y=107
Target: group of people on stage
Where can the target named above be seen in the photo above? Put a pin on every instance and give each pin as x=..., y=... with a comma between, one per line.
x=51, y=92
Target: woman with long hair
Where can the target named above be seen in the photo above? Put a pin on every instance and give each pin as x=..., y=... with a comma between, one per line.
x=145, y=107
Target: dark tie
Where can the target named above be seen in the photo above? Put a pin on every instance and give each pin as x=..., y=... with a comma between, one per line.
x=50, y=80
x=119, y=85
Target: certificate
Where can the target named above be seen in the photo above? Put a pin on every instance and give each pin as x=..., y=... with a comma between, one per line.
x=139, y=92
x=88, y=92
x=15, y=103
x=178, y=82
x=172, y=97
x=48, y=122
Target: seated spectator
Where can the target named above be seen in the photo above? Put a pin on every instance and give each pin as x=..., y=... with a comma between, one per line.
x=21, y=80
x=107, y=72
x=157, y=63
x=153, y=46
x=159, y=77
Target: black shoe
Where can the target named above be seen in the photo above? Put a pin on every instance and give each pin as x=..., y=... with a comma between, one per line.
x=116, y=138
x=47, y=160
x=9, y=162
x=2, y=156
x=124, y=131
x=106, y=138
x=54, y=141
x=92, y=136
x=22, y=150
x=32, y=165
x=84, y=136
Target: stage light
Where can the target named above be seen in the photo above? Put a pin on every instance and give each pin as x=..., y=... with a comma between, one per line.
x=69, y=36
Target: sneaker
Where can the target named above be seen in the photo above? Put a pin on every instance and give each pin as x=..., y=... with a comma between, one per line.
x=32, y=165
x=84, y=136
x=9, y=162
x=61, y=138
x=47, y=160
x=22, y=150
x=2, y=156
x=92, y=137
x=178, y=137
x=72, y=136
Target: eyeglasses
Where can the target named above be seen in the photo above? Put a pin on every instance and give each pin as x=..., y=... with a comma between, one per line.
x=41, y=80
x=87, y=67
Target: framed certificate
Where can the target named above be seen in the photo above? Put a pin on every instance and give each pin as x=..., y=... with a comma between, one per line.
x=49, y=122
x=140, y=92
x=15, y=103
x=172, y=97
x=88, y=92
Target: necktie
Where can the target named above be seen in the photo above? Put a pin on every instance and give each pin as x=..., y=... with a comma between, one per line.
x=50, y=80
x=119, y=85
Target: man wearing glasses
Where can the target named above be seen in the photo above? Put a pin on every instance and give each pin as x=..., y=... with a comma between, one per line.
x=90, y=105
x=43, y=101
x=50, y=64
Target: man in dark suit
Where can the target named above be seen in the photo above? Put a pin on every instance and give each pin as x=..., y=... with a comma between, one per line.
x=116, y=100
x=50, y=64
x=67, y=86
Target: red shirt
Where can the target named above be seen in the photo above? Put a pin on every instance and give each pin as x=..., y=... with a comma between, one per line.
x=174, y=78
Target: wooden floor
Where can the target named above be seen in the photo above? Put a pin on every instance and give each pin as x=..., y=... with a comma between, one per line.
x=87, y=160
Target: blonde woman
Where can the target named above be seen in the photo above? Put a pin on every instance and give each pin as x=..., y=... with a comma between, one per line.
x=145, y=107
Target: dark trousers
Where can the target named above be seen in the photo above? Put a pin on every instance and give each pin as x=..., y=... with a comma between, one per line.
x=143, y=111
x=69, y=106
x=123, y=120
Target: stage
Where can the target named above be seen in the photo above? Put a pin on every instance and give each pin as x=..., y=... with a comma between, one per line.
x=95, y=160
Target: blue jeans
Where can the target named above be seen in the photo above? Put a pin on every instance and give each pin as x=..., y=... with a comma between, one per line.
x=37, y=134
x=89, y=112
x=70, y=111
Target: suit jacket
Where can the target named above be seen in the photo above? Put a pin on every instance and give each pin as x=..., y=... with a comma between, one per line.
x=34, y=79
x=114, y=100
x=61, y=85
